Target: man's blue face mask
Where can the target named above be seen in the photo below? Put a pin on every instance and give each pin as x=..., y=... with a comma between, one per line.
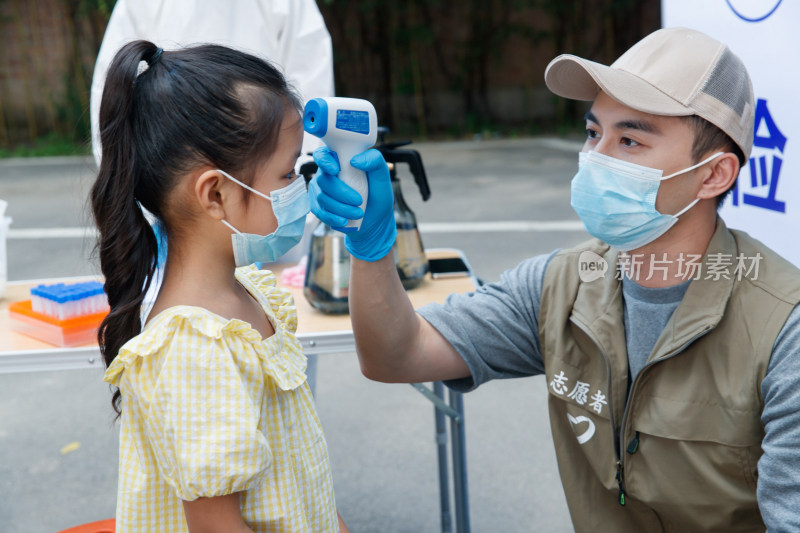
x=616, y=200
x=290, y=205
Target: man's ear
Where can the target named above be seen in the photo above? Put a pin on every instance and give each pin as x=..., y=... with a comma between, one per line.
x=724, y=170
x=211, y=192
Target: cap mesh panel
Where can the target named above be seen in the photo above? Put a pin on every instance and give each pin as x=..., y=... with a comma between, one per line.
x=728, y=82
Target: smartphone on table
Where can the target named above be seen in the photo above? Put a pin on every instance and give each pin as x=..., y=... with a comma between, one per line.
x=448, y=267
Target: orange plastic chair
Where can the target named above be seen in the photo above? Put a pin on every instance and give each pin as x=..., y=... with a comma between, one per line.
x=101, y=526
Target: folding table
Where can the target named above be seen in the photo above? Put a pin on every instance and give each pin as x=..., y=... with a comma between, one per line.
x=319, y=334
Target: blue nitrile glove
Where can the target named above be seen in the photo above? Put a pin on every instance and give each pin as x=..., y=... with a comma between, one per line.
x=334, y=203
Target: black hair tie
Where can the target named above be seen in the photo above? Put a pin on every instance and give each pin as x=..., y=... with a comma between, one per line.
x=155, y=57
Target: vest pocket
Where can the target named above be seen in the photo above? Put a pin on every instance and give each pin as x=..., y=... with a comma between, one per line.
x=696, y=463
x=718, y=443
x=689, y=420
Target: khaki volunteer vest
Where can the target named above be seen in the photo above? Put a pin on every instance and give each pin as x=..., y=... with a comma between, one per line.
x=681, y=450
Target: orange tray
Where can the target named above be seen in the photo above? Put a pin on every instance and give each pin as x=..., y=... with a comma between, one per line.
x=101, y=526
x=76, y=331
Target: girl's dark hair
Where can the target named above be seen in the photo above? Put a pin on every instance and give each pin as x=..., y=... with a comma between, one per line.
x=205, y=105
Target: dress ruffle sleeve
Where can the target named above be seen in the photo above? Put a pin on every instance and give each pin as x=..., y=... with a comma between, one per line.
x=281, y=301
x=190, y=377
x=285, y=358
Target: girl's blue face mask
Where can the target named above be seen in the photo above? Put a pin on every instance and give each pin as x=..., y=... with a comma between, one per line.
x=616, y=200
x=290, y=205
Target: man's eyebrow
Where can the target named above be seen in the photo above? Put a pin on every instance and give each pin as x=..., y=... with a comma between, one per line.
x=641, y=125
x=629, y=124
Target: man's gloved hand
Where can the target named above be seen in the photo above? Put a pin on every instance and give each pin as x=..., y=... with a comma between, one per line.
x=334, y=203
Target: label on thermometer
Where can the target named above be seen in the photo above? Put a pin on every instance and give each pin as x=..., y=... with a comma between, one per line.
x=355, y=121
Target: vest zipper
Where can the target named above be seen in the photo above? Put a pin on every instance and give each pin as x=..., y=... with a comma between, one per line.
x=614, y=437
x=617, y=438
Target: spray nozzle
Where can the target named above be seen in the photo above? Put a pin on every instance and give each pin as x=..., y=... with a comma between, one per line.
x=393, y=156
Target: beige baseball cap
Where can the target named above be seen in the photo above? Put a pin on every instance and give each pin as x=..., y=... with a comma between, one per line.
x=672, y=71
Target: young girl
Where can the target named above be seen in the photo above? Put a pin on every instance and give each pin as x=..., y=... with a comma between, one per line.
x=219, y=431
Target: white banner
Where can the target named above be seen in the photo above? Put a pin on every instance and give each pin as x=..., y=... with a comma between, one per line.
x=766, y=201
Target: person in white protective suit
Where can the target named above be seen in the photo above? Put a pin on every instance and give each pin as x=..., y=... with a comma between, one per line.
x=290, y=33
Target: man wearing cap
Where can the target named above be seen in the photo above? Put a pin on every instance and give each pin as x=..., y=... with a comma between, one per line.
x=673, y=378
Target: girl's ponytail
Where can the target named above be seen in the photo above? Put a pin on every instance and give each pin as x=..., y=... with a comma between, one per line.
x=206, y=106
x=127, y=245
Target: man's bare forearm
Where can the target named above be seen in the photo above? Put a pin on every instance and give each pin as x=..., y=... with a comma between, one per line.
x=385, y=325
x=394, y=343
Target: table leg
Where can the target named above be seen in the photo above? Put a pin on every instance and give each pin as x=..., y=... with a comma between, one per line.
x=454, y=409
x=311, y=373
x=457, y=436
x=441, y=448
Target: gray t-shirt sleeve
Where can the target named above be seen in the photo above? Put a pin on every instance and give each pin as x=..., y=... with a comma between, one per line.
x=496, y=328
x=778, y=480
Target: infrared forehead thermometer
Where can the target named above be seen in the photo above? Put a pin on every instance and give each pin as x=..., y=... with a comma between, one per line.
x=348, y=126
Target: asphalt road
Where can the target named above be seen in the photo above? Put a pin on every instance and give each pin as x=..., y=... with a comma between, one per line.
x=499, y=201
